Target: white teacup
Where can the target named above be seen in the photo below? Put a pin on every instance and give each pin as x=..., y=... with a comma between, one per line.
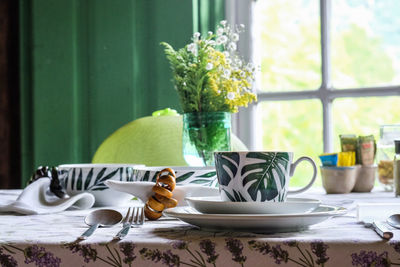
x=257, y=176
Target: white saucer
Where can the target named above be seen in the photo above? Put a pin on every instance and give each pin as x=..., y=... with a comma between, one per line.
x=214, y=205
x=266, y=223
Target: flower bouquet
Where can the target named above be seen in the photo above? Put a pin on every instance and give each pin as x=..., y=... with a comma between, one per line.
x=212, y=81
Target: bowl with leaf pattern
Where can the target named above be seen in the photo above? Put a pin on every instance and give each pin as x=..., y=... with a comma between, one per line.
x=185, y=175
x=78, y=178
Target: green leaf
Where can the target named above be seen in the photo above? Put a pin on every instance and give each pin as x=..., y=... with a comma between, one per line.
x=73, y=180
x=108, y=176
x=238, y=196
x=99, y=188
x=99, y=175
x=79, y=181
x=230, y=196
x=154, y=178
x=207, y=175
x=121, y=171
x=146, y=176
x=184, y=177
x=261, y=175
x=88, y=179
x=231, y=163
x=200, y=181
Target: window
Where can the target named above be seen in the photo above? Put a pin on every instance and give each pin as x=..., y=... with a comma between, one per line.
x=327, y=68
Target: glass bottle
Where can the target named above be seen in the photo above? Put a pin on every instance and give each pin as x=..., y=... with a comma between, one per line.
x=396, y=168
x=385, y=154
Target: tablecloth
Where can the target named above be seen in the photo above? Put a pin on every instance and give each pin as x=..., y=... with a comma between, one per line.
x=48, y=240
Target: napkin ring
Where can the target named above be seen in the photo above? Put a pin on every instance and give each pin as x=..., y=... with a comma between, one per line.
x=162, y=199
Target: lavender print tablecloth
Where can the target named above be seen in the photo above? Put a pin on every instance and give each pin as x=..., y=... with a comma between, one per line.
x=48, y=240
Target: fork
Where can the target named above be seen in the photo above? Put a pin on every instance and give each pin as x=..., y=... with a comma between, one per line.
x=136, y=218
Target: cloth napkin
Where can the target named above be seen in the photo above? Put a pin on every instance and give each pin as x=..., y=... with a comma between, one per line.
x=37, y=199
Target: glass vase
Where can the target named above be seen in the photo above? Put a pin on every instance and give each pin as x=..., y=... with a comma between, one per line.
x=203, y=134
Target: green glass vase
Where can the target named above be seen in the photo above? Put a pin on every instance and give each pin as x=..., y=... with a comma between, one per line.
x=203, y=134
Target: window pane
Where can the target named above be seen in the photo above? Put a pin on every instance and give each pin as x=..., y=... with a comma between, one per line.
x=287, y=34
x=366, y=37
x=293, y=126
x=363, y=116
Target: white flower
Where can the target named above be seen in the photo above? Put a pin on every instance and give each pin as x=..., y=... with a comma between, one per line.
x=231, y=95
x=235, y=37
x=243, y=74
x=210, y=33
x=220, y=31
x=219, y=91
x=222, y=40
x=226, y=54
x=228, y=61
x=238, y=62
x=192, y=48
x=227, y=72
x=184, y=83
x=209, y=66
x=196, y=35
x=232, y=46
x=223, y=22
x=210, y=42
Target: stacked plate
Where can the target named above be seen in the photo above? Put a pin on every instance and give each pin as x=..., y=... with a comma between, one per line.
x=267, y=217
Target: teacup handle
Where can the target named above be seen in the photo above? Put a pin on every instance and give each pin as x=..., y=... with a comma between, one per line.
x=293, y=167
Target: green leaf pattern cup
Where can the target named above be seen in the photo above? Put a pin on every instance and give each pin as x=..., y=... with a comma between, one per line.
x=257, y=176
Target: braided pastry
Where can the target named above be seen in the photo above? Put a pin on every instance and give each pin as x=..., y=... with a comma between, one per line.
x=162, y=198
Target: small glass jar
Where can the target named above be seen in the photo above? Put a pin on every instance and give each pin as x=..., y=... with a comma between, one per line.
x=385, y=154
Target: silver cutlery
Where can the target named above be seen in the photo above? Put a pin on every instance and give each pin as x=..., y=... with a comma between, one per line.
x=100, y=218
x=136, y=218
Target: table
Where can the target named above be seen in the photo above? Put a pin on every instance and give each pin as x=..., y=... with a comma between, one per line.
x=48, y=240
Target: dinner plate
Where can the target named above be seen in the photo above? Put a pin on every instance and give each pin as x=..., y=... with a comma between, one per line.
x=258, y=223
x=214, y=204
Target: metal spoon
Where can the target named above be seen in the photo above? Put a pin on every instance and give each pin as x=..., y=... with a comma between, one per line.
x=100, y=218
x=394, y=220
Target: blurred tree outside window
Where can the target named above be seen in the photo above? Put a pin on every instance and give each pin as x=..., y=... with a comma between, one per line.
x=327, y=68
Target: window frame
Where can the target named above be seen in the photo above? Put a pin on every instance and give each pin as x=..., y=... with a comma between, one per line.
x=244, y=123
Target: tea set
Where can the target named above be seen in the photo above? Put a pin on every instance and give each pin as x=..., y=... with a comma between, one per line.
x=245, y=191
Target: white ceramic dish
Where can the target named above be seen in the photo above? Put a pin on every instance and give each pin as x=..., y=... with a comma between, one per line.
x=259, y=223
x=78, y=178
x=206, y=176
x=214, y=205
x=143, y=190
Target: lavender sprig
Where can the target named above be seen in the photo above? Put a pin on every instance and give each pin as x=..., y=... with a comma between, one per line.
x=40, y=257
x=370, y=258
x=128, y=250
x=84, y=251
x=319, y=249
x=208, y=248
x=235, y=247
x=167, y=258
x=7, y=260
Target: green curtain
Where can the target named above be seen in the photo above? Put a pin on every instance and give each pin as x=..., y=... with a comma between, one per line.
x=88, y=67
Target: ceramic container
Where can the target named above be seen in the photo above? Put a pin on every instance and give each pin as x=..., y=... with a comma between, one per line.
x=143, y=190
x=365, y=179
x=78, y=178
x=339, y=180
x=205, y=176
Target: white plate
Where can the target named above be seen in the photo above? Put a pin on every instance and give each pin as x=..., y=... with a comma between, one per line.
x=214, y=205
x=266, y=223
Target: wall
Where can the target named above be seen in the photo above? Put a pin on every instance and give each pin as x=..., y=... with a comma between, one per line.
x=88, y=67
